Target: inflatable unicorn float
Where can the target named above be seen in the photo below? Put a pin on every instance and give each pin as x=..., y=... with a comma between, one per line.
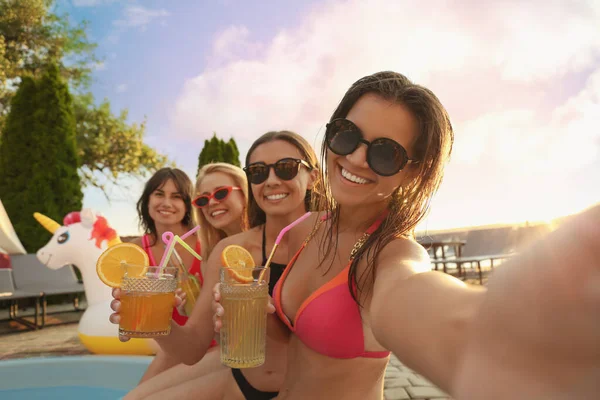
x=80, y=241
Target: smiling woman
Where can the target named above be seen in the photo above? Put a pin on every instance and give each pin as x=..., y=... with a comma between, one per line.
x=165, y=205
x=221, y=193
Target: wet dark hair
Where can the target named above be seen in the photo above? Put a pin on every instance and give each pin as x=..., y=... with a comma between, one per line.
x=314, y=197
x=408, y=204
x=184, y=187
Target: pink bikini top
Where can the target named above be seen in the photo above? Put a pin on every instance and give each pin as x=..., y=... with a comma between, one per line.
x=329, y=320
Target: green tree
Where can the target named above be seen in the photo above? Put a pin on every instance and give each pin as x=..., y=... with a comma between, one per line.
x=32, y=36
x=38, y=157
x=231, y=152
x=217, y=150
x=108, y=146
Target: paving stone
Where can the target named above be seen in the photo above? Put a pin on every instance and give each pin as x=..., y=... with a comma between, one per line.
x=417, y=380
x=403, y=375
x=396, y=394
x=404, y=368
x=425, y=392
x=392, y=372
x=402, y=382
x=396, y=382
x=395, y=362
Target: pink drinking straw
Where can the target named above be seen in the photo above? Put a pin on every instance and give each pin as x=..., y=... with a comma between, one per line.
x=169, y=239
x=279, y=237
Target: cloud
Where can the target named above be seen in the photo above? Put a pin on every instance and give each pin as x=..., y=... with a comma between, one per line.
x=521, y=81
x=140, y=17
x=525, y=139
x=232, y=43
x=121, y=88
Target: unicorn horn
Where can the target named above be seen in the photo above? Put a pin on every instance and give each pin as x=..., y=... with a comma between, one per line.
x=114, y=241
x=48, y=223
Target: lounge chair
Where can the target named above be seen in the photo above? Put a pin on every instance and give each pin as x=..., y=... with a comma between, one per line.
x=32, y=276
x=8, y=292
x=482, y=245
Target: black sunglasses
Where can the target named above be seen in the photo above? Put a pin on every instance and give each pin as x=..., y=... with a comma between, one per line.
x=286, y=169
x=386, y=157
x=220, y=194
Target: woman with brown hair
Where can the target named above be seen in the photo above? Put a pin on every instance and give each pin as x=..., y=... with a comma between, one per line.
x=166, y=205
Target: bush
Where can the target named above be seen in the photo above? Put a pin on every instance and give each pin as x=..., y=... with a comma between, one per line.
x=38, y=157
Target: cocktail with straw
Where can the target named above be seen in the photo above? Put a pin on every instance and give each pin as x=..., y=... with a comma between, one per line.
x=244, y=296
x=147, y=299
x=147, y=291
x=187, y=282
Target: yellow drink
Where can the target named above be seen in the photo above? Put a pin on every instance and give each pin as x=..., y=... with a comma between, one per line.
x=190, y=285
x=146, y=314
x=187, y=282
x=243, y=333
x=147, y=300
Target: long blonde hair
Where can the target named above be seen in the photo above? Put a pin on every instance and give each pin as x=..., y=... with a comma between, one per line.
x=209, y=235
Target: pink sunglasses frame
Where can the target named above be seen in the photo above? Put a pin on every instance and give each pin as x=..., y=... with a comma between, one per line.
x=212, y=195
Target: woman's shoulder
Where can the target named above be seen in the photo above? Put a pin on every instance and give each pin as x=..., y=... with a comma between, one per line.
x=138, y=241
x=313, y=221
x=404, y=250
x=244, y=239
x=250, y=240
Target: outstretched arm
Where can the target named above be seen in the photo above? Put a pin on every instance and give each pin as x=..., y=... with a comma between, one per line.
x=537, y=334
x=421, y=317
x=533, y=334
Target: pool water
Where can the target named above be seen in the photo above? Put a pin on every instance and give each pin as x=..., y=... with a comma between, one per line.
x=62, y=392
x=64, y=378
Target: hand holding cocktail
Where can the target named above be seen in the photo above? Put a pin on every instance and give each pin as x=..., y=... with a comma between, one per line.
x=244, y=290
x=240, y=304
x=144, y=295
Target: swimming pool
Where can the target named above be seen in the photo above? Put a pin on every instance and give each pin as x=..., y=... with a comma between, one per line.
x=81, y=377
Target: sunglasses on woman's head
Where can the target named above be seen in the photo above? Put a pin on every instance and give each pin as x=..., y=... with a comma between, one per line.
x=219, y=194
x=385, y=156
x=286, y=169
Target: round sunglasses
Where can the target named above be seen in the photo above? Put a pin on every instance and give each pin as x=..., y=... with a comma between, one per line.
x=385, y=156
x=219, y=194
x=286, y=169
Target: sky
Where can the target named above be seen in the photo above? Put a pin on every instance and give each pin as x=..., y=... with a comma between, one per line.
x=521, y=82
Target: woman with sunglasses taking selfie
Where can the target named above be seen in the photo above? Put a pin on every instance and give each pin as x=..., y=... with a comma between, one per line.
x=360, y=287
x=282, y=171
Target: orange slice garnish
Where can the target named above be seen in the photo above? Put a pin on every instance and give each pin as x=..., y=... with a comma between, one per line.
x=109, y=266
x=240, y=261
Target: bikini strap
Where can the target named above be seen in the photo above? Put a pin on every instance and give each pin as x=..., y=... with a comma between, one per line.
x=145, y=241
x=264, y=243
x=148, y=248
